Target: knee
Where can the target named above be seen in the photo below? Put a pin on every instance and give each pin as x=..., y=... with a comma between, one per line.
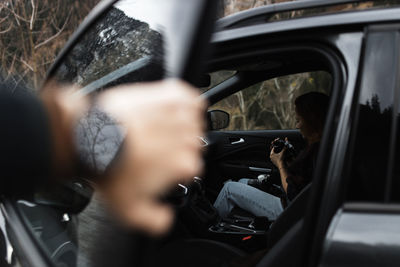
x=227, y=187
x=244, y=180
x=233, y=187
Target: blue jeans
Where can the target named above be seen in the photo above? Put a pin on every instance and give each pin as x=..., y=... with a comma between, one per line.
x=248, y=198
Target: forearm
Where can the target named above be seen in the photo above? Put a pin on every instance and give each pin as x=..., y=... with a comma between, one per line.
x=284, y=174
x=63, y=111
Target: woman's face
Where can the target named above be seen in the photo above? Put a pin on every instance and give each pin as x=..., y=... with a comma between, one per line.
x=301, y=125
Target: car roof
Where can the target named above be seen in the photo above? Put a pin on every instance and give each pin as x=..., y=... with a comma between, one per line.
x=255, y=28
x=319, y=8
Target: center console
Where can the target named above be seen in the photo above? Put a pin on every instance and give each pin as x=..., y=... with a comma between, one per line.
x=239, y=229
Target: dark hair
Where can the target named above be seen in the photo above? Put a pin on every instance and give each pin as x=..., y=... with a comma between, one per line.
x=312, y=107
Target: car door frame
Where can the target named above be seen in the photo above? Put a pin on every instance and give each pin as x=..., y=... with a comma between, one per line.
x=21, y=245
x=344, y=58
x=330, y=225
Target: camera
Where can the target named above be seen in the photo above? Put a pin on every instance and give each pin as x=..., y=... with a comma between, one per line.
x=278, y=146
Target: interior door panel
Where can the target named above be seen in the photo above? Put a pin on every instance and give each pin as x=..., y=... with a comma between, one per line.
x=243, y=154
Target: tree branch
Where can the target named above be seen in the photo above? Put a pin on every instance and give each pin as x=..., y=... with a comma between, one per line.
x=54, y=36
x=17, y=17
x=25, y=63
x=12, y=65
x=7, y=30
x=3, y=19
x=33, y=15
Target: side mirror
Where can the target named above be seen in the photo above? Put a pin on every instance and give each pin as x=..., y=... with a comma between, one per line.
x=218, y=119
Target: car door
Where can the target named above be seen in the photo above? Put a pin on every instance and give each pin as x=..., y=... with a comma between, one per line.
x=363, y=206
x=119, y=42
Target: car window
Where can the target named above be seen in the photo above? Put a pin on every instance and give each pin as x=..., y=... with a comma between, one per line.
x=135, y=42
x=117, y=49
x=268, y=105
x=375, y=135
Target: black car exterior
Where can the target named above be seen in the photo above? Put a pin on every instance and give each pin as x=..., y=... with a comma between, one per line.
x=353, y=207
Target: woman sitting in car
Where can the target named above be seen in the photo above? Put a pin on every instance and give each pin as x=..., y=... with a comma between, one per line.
x=311, y=109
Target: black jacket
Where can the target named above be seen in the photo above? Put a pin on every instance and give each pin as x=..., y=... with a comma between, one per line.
x=301, y=170
x=25, y=143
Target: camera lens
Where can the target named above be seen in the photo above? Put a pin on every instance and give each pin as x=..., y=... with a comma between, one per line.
x=278, y=145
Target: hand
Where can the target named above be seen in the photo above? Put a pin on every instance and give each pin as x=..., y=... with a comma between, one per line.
x=277, y=158
x=162, y=120
x=64, y=110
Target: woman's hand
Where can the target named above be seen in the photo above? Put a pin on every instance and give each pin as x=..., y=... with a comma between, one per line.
x=277, y=158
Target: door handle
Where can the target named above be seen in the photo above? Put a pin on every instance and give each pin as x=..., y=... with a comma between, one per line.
x=240, y=141
x=258, y=169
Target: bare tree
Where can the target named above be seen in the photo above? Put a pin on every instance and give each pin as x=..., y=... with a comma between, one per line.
x=32, y=32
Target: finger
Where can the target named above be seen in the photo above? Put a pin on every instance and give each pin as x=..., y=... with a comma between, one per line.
x=272, y=142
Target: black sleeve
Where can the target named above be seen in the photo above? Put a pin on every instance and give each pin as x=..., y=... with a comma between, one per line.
x=293, y=189
x=301, y=171
x=25, y=159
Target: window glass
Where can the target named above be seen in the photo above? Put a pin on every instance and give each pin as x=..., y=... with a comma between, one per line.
x=369, y=168
x=268, y=105
x=135, y=41
x=395, y=183
x=117, y=49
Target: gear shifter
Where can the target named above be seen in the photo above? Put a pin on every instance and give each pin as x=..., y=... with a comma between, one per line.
x=262, y=178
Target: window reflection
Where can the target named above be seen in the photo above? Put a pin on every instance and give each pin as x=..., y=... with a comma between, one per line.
x=377, y=86
x=369, y=169
x=116, y=41
x=395, y=183
x=99, y=139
